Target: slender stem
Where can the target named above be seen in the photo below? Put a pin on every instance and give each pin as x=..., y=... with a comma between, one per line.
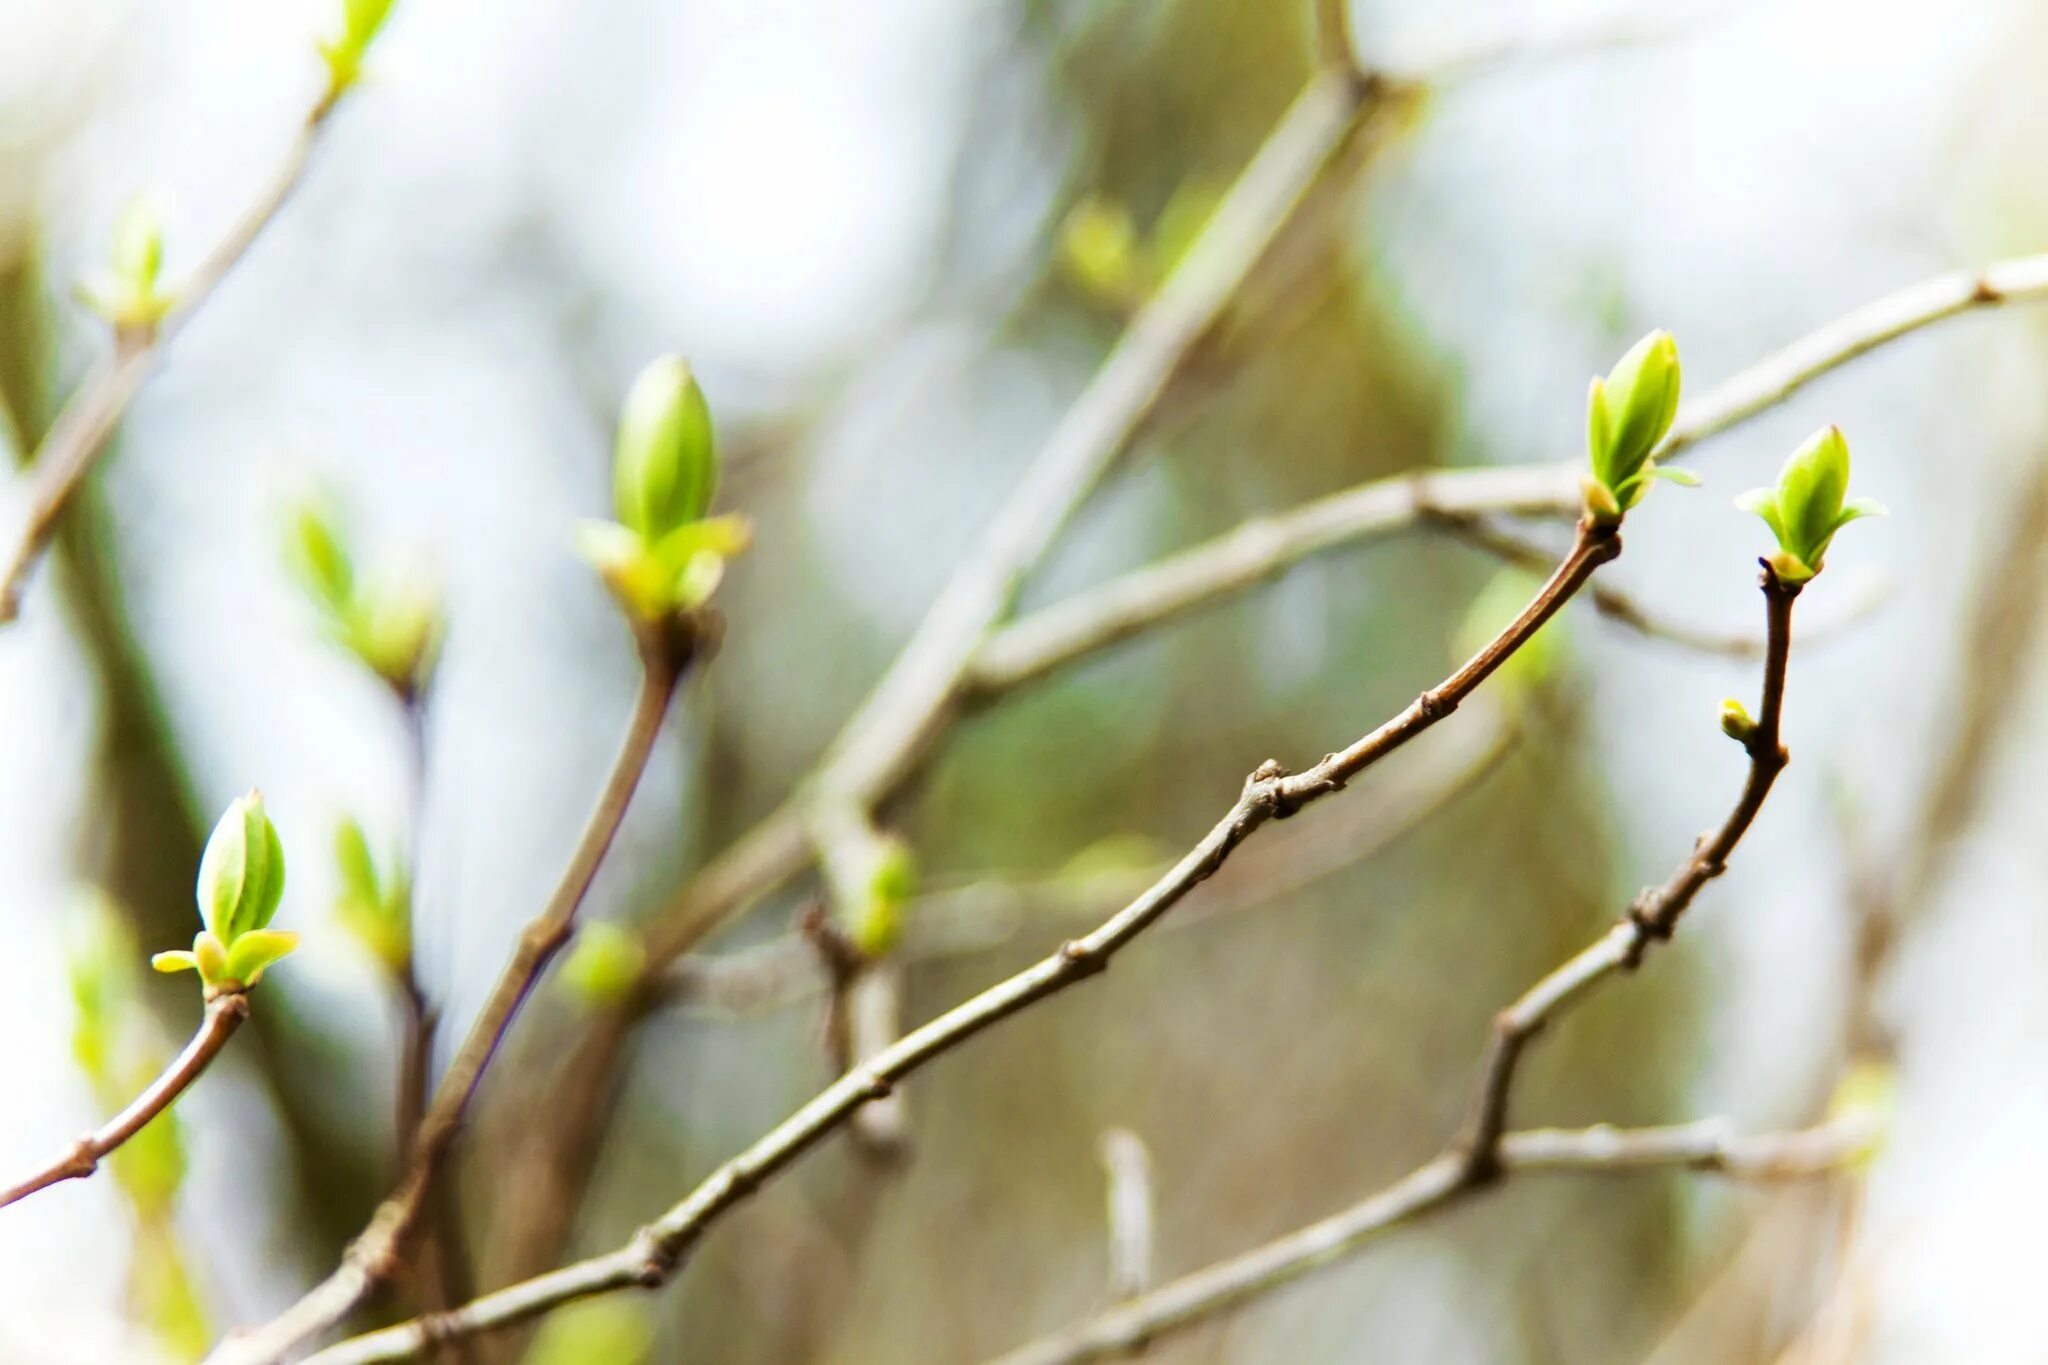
x=1707, y=1146
x=989, y=913
x=224, y=1014
x=658, y=1250
x=1485, y=1152
x=376, y=1256
x=77, y=438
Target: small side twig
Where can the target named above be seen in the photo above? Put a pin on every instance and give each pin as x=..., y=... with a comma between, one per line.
x=224, y=1014
x=78, y=436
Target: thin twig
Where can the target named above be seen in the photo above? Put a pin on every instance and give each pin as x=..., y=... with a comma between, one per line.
x=991, y=913
x=659, y=1249
x=1128, y=1165
x=224, y=1014
x=1482, y=1153
x=375, y=1257
x=1867, y=594
x=79, y=435
x=1708, y=1146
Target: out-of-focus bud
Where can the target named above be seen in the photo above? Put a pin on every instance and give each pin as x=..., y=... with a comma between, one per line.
x=877, y=920
x=241, y=882
x=377, y=915
x=391, y=621
x=605, y=965
x=318, y=556
x=1808, y=505
x=1100, y=249
x=1627, y=415
x=1736, y=722
x=665, y=466
x=361, y=21
x=395, y=629
x=616, y=1331
x=126, y=293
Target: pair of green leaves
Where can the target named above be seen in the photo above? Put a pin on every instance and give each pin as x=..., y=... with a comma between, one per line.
x=391, y=621
x=1808, y=505
x=1628, y=415
x=665, y=554
x=241, y=883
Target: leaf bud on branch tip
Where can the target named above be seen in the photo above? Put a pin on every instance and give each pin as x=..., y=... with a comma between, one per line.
x=1628, y=414
x=1808, y=505
x=240, y=885
x=665, y=555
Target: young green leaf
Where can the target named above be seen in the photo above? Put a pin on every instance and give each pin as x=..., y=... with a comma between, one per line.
x=665, y=467
x=1808, y=504
x=1627, y=416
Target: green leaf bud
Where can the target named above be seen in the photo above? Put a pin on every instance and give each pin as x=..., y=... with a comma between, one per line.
x=395, y=628
x=125, y=293
x=1099, y=248
x=876, y=924
x=1627, y=415
x=241, y=874
x=665, y=467
x=376, y=915
x=317, y=555
x=361, y=21
x=1736, y=722
x=1808, y=505
x=605, y=965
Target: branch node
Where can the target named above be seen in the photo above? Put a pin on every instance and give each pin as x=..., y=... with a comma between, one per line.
x=1081, y=960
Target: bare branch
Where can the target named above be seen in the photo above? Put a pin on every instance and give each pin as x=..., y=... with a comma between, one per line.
x=79, y=435
x=1709, y=1146
x=990, y=913
x=658, y=1250
x=1867, y=593
x=224, y=1014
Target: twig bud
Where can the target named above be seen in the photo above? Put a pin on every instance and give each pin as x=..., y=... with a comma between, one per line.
x=1627, y=416
x=1808, y=504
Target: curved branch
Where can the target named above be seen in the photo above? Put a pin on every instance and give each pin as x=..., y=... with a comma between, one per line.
x=1484, y=1152
x=224, y=1014
x=1709, y=1145
x=77, y=438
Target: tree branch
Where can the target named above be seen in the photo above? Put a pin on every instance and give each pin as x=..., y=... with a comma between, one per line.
x=658, y=1250
x=80, y=433
x=1708, y=1146
x=224, y=1014
x=375, y=1257
x=1484, y=1153
x=990, y=913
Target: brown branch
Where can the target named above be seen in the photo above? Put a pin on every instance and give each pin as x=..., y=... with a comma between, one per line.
x=1483, y=1153
x=77, y=438
x=1627, y=612
x=991, y=913
x=1708, y=1146
x=375, y=1257
x=659, y=1249
x=224, y=1014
